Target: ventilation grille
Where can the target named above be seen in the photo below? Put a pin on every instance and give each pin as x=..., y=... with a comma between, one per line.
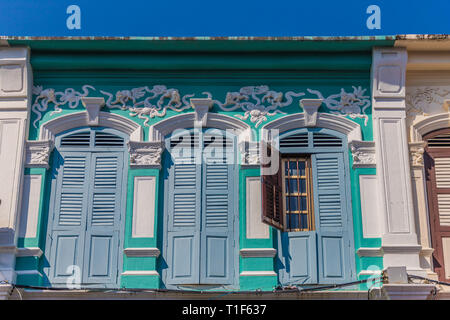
x=299, y=140
x=441, y=141
x=185, y=141
x=216, y=141
x=319, y=140
x=326, y=140
x=81, y=139
x=104, y=139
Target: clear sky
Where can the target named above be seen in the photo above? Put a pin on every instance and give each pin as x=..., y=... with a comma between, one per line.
x=184, y=18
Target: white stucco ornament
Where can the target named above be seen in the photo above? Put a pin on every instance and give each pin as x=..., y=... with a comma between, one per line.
x=256, y=103
x=426, y=100
x=351, y=104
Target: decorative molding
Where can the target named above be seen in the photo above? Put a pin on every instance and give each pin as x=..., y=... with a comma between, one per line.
x=201, y=107
x=51, y=128
x=29, y=252
x=256, y=102
x=352, y=104
x=265, y=102
x=416, y=150
x=401, y=249
x=363, y=153
x=310, y=107
x=324, y=120
x=140, y=273
x=160, y=130
x=426, y=100
x=38, y=153
x=93, y=106
x=431, y=123
x=369, y=252
x=249, y=154
x=258, y=253
x=142, y=252
x=145, y=154
x=257, y=274
x=426, y=252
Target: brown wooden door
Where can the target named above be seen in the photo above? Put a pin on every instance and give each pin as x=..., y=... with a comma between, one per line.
x=437, y=173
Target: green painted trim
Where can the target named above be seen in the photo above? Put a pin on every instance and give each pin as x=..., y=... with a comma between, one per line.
x=208, y=44
x=139, y=282
x=138, y=263
x=130, y=242
x=264, y=283
x=27, y=263
x=348, y=61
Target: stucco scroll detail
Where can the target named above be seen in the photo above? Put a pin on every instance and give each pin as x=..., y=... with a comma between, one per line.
x=363, y=153
x=352, y=104
x=145, y=154
x=416, y=150
x=38, y=153
x=254, y=103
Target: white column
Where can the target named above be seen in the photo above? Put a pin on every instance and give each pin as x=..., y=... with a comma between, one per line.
x=400, y=245
x=15, y=97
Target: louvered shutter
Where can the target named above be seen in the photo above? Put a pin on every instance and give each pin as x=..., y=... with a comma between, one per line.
x=184, y=212
x=437, y=168
x=272, y=192
x=69, y=218
x=331, y=218
x=103, y=222
x=216, y=251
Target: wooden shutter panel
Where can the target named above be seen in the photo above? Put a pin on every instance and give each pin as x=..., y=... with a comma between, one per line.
x=67, y=236
x=183, y=236
x=272, y=193
x=103, y=222
x=216, y=251
x=331, y=218
x=437, y=168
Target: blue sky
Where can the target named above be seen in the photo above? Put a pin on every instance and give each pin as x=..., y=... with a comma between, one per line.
x=183, y=18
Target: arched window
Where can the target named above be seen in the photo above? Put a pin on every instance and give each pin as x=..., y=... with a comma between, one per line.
x=86, y=210
x=308, y=199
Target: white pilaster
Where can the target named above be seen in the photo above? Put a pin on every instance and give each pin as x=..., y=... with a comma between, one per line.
x=15, y=97
x=399, y=240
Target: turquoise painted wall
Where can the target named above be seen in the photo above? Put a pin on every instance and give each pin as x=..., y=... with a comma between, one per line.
x=283, y=70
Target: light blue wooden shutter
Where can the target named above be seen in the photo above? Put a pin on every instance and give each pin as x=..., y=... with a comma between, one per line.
x=216, y=251
x=184, y=215
x=69, y=218
x=298, y=257
x=331, y=218
x=103, y=223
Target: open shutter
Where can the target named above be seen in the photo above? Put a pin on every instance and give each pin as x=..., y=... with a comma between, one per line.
x=69, y=218
x=184, y=212
x=297, y=249
x=103, y=223
x=272, y=206
x=216, y=251
x=331, y=218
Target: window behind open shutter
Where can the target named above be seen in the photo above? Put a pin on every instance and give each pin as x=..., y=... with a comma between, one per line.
x=272, y=197
x=331, y=218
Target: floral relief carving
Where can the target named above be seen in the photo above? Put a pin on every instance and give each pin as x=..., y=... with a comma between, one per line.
x=425, y=100
x=257, y=103
x=363, y=153
x=416, y=150
x=145, y=154
x=38, y=153
x=351, y=104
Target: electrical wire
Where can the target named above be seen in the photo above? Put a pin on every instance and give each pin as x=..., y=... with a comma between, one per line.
x=427, y=279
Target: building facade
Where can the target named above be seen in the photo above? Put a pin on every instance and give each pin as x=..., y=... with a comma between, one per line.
x=237, y=166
